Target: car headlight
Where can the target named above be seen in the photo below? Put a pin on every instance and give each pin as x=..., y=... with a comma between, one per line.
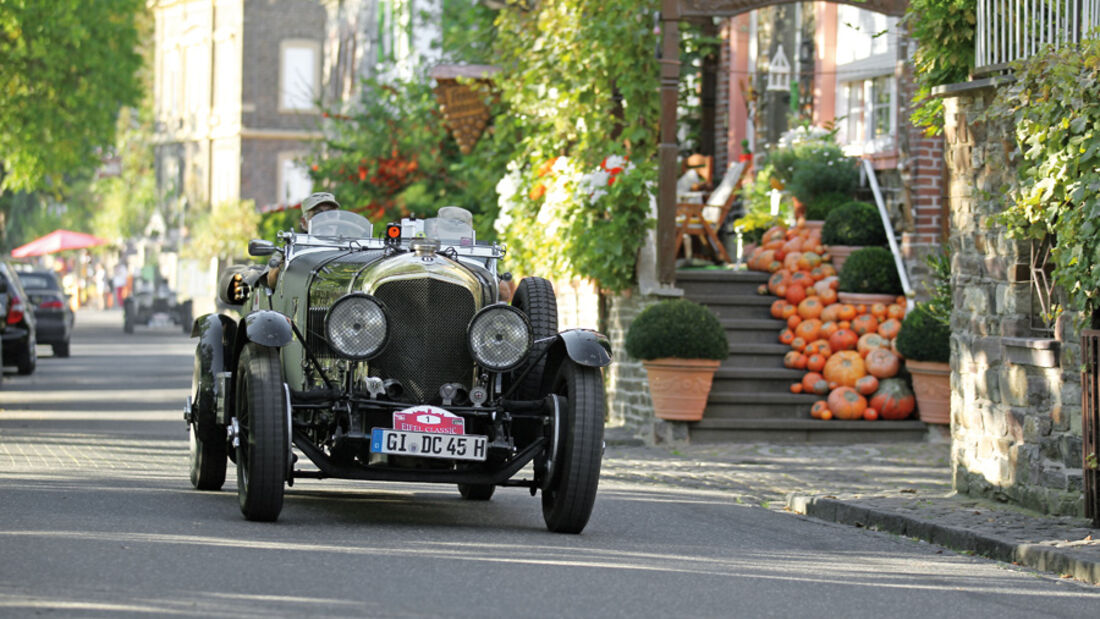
x=499, y=337
x=356, y=326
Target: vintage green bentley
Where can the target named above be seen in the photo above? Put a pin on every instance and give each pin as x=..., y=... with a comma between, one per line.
x=393, y=358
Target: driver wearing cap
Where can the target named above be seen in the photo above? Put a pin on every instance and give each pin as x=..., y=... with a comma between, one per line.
x=318, y=202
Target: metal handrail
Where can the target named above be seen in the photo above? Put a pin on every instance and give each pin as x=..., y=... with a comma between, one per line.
x=894, y=250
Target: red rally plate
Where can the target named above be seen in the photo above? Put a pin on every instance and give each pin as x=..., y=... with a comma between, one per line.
x=430, y=419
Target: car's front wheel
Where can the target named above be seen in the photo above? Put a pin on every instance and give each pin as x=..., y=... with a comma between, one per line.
x=208, y=456
x=577, y=449
x=261, y=421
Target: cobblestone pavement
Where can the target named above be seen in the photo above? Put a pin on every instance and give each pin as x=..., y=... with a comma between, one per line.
x=902, y=488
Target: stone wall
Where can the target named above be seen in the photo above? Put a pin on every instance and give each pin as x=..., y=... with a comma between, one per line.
x=1016, y=395
x=629, y=404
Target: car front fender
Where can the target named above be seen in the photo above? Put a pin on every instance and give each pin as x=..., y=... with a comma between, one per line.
x=581, y=346
x=268, y=328
x=213, y=354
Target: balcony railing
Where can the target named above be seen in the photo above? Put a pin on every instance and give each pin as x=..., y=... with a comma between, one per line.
x=1010, y=30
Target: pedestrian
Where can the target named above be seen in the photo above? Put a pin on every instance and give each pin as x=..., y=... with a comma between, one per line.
x=118, y=282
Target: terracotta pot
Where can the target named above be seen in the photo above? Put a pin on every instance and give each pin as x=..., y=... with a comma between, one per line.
x=932, y=386
x=840, y=253
x=865, y=298
x=815, y=224
x=679, y=387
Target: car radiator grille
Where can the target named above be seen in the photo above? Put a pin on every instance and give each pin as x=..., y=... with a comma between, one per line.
x=427, y=346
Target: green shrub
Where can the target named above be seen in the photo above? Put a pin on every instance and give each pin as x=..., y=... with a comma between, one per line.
x=681, y=328
x=923, y=338
x=823, y=170
x=870, y=270
x=855, y=223
x=820, y=207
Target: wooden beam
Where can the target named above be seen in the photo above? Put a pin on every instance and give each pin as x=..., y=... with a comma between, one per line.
x=668, y=150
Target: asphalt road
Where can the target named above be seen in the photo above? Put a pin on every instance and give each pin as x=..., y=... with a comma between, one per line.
x=97, y=518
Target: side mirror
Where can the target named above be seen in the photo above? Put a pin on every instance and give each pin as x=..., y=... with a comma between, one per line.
x=259, y=247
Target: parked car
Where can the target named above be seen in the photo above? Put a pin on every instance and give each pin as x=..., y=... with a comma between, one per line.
x=395, y=359
x=52, y=313
x=153, y=303
x=19, y=328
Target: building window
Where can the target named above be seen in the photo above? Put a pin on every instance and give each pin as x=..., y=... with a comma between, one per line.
x=871, y=115
x=882, y=105
x=294, y=182
x=299, y=75
x=854, y=117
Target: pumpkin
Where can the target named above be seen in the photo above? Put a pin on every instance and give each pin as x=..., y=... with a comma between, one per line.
x=826, y=414
x=889, y=328
x=796, y=387
x=817, y=408
x=843, y=339
x=846, y=403
x=790, y=360
x=847, y=311
x=798, y=343
x=808, y=329
x=762, y=289
x=828, y=328
x=790, y=261
x=811, y=307
x=777, y=308
x=774, y=266
x=779, y=277
x=766, y=257
x=781, y=291
x=794, y=321
x=774, y=233
x=831, y=312
x=815, y=362
x=795, y=293
x=827, y=296
x=818, y=347
x=789, y=310
x=894, y=399
x=865, y=323
x=829, y=271
x=870, y=414
x=865, y=385
x=895, y=311
x=802, y=278
x=809, y=259
x=844, y=368
x=878, y=310
x=882, y=363
x=814, y=382
x=870, y=341
x=786, y=336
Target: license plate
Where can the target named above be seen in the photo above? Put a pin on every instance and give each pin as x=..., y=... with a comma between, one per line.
x=428, y=445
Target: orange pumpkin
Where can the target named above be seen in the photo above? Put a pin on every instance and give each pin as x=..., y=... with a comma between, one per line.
x=762, y=289
x=798, y=343
x=865, y=323
x=878, y=310
x=843, y=339
x=889, y=328
x=777, y=308
x=870, y=414
x=790, y=261
x=847, y=311
x=826, y=415
x=895, y=311
x=811, y=307
x=831, y=312
x=789, y=310
x=828, y=269
x=779, y=277
x=870, y=341
x=814, y=382
x=809, y=260
x=786, y=336
x=818, y=347
x=827, y=296
x=790, y=360
x=774, y=233
x=808, y=329
x=817, y=408
x=796, y=387
x=894, y=399
x=829, y=328
x=781, y=291
x=794, y=321
x=866, y=385
x=802, y=278
x=815, y=362
x=795, y=293
x=847, y=403
x=844, y=368
x=882, y=363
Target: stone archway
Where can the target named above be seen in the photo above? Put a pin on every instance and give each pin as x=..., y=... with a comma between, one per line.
x=673, y=12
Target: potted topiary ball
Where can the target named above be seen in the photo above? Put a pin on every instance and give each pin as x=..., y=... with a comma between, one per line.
x=925, y=342
x=850, y=227
x=869, y=276
x=820, y=207
x=681, y=345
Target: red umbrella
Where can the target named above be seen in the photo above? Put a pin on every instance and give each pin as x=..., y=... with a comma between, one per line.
x=58, y=240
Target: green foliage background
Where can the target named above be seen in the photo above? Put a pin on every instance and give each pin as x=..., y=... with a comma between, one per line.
x=944, y=34
x=1052, y=105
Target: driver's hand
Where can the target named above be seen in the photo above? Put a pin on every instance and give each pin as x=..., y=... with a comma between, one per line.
x=238, y=289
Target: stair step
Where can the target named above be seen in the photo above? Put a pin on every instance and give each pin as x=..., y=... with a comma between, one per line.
x=755, y=379
x=696, y=283
x=737, y=306
x=805, y=430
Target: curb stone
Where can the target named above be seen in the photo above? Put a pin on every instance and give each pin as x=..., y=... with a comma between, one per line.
x=1057, y=558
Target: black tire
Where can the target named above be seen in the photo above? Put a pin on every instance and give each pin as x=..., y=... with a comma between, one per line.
x=27, y=359
x=535, y=298
x=261, y=417
x=61, y=350
x=570, y=493
x=476, y=492
x=127, y=321
x=208, y=456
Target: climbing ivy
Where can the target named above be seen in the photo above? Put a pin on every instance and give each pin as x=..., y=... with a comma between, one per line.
x=581, y=80
x=1052, y=103
x=944, y=34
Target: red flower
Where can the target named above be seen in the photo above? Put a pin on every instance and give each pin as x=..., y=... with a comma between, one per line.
x=537, y=191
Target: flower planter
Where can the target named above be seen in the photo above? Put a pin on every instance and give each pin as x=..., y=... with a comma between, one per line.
x=679, y=387
x=932, y=386
x=840, y=253
x=865, y=298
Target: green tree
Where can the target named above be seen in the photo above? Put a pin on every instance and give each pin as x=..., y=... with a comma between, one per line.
x=944, y=32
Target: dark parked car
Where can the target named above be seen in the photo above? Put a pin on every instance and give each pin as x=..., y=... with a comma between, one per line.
x=19, y=328
x=393, y=358
x=153, y=303
x=52, y=313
